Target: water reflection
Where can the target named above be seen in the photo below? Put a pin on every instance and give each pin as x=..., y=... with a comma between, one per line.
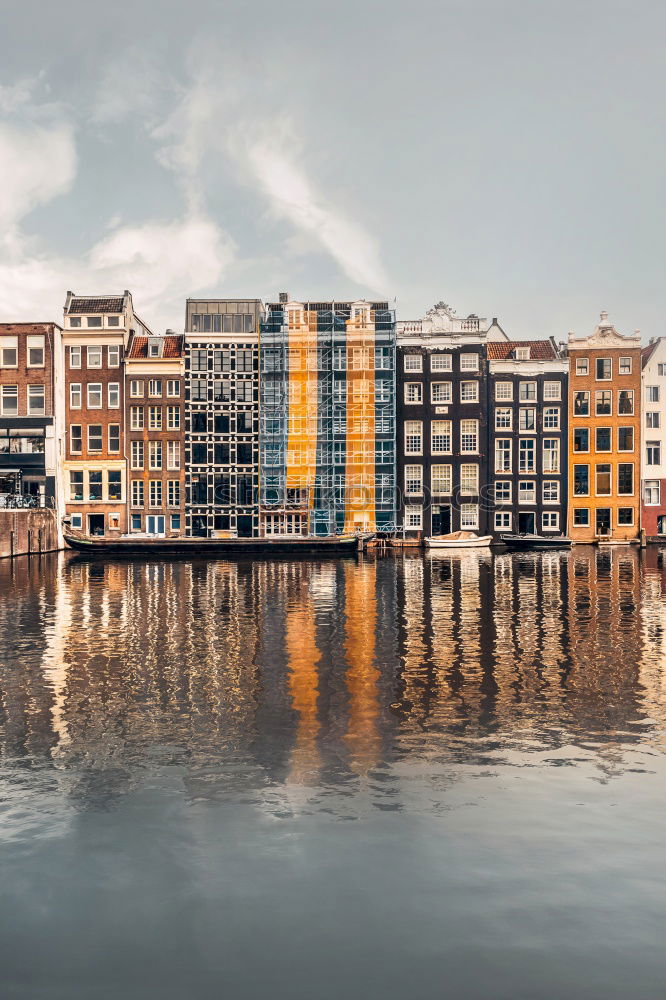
x=325, y=686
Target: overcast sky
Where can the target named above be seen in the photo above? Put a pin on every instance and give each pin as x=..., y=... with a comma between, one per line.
x=507, y=156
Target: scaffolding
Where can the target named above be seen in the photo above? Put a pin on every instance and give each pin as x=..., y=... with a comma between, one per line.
x=327, y=418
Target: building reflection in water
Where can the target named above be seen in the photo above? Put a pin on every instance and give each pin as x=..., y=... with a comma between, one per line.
x=327, y=676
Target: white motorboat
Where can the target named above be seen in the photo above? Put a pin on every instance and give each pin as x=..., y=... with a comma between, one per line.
x=459, y=540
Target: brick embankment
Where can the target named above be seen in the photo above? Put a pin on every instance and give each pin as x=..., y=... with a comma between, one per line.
x=27, y=531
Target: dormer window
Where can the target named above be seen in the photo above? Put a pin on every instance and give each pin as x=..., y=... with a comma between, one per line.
x=94, y=321
x=155, y=346
x=522, y=354
x=113, y=320
x=75, y=321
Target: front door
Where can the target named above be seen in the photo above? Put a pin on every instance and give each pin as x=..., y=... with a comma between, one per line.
x=95, y=524
x=441, y=519
x=526, y=522
x=155, y=524
x=603, y=521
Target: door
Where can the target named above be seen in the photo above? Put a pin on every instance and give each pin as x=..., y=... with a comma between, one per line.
x=526, y=523
x=441, y=519
x=603, y=520
x=244, y=525
x=95, y=524
x=155, y=524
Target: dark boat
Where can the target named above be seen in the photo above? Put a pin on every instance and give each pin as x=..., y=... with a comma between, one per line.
x=194, y=547
x=536, y=541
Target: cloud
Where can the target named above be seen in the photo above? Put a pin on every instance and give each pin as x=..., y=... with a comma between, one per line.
x=37, y=163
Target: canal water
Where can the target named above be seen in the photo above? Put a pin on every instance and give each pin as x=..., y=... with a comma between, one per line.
x=407, y=777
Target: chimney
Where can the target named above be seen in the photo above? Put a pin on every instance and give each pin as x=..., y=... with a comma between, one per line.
x=284, y=298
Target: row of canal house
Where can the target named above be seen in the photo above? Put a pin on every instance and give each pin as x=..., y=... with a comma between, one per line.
x=312, y=417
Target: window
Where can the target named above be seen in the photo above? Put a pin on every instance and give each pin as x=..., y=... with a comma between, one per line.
x=550, y=520
x=113, y=355
x=36, y=401
x=603, y=369
x=503, y=418
x=440, y=363
x=551, y=491
x=581, y=480
x=75, y=395
x=413, y=479
x=526, y=491
x=603, y=439
x=74, y=321
x=77, y=521
x=581, y=517
x=469, y=479
x=244, y=361
x=469, y=516
x=94, y=357
x=469, y=362
x=35, y=346
x=527, y=392
x=652, y=492
x=603, y=402
x=244, y=391
x=114, y=437
x=8, y=352
x=154, y=454
x=95, y=437
x=94, y=321
x=155, y=418
x=652, y=393
x=94, y=395
x=625, y=515
x=413, y=392
x=652, y=453
x=383, y=359
x=551, y=418
x=582, y=366
x=137, y=455
x=603, y=480
x=155, y=493
x=414, y=517
x=199, y=361
x=527, y=455
x=527, y=419
x=113, y=395
x=413, y=363
x=9, y=400
x=624, y=367
x=75, y=357
x=136, y=388
x=469, y=392
x=502, y=520
x=581, y=404
x=413, y=437
x=155, y=387
x=504, y=390
x=522, y=354
x=502, y=491
x=360, y=358
x=625, y=402
x=173, y=454
x=137, y=493
x=199, y=391
x=440, y=392
x=552, y=391
x=440, y=436
x=75, y=439
x=661, y=369
x=75, y=485
x=113, y=320
x=114, y=484
x=136, y=418
x=652, y=419
x=173, y=418
x=503, y=455
x=625, y=479
x=175, y=522
x=95, y=484
x=625, y=439
x=441, y=478
x=173, y=387
x=173, y=493
x=469, y=436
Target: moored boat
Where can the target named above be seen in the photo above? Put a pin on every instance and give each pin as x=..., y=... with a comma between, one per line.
x=458, y=540
x=129, y=545
x=536, y=541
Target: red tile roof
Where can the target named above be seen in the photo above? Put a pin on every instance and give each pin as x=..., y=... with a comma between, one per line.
x=27, y=328
x=96, y=305
x=540, y=350
x=647, y=352
x=173, y=347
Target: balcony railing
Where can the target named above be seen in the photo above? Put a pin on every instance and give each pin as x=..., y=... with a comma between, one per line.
x=20, y=501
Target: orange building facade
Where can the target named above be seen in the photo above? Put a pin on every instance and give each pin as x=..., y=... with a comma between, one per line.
x=604, y=435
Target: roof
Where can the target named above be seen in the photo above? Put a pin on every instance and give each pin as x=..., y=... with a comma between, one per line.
x=647, y=352
x=27, y=328
x=540, y=350
x=114, y=304
x=173, y=347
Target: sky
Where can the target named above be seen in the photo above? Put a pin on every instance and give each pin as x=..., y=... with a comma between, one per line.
x=505, y=156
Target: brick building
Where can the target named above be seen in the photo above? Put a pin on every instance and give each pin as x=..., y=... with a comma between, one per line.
x=30, y=377
x=604, y=435
x=653, y=449
x=154, y=434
